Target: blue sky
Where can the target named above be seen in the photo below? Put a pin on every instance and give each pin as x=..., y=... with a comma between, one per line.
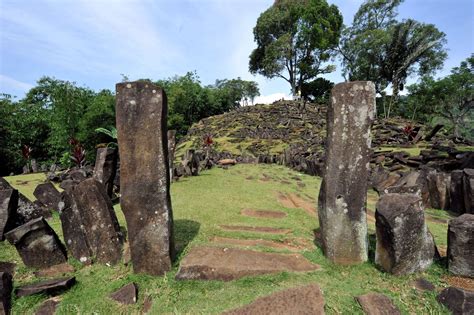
x=93, y=42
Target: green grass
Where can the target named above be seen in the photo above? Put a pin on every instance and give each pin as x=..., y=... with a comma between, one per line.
x=200, y=205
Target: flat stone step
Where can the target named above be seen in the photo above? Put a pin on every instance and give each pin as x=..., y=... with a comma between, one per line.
x=258, y=229
x=216, y=263
x=269, y=214
x=258, y=242
x=300, y=300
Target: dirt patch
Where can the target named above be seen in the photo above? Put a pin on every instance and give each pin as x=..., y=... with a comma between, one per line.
x=293, y=201
x=215, y=263
x=258, y=229
x=300, y=300
x=442, y=250
x=286, y=244
x=460, y=282
x=263, y=214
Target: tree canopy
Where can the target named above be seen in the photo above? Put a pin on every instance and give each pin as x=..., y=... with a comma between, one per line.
x=294, y=40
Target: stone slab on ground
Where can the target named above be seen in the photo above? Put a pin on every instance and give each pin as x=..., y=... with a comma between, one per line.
x=216, y=263
x=458, y=301
x=257, y=242
x=48, y=307
x=52, y=287
x=257, y=229
x=126, y=294
x=300, y=300
x=422, y=285
x=377, y=304
x=54, y=271
x=38, y=245
x=270, y=214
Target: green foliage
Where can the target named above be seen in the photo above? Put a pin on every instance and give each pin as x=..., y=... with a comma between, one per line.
x=451, y=98
x=317, y=91
x=65, y=160
x=294, y=39
x=378, y=48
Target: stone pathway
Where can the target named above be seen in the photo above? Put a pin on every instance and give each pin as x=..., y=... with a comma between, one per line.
x=293, y=201
x=258, y=229
x=270, y=214
x=286, y=244
x=216, y=263
x=300, y=300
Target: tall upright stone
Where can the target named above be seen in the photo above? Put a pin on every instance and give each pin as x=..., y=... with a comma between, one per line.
x=8, y=205
x=461, y=245
x=468, y=188
x=171, y=147
x=342, y=198
x=141, y=111
x=106, y=167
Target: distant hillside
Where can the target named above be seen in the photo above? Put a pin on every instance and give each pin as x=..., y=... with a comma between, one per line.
x=267, y=130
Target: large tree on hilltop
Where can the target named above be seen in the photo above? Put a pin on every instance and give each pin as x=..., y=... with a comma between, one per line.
x=294, y=39
x=378, y=48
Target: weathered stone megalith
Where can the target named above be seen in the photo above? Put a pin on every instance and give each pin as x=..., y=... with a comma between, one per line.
x=461, y=245
x=99, y=223
x=6, y=288
x=404, y=245
x=8, y=205
x=106, y=167
x=438, y=186
x=457, y=300
x=37, y=244
x=456, y=193
x=468, y=188
x=48, y=195
x=171, y=148
x=342, y=198
x=141, y=111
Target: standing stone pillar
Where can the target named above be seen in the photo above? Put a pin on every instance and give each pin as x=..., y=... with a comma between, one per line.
x=342, y=198
x=141, y=111
x=171, y=147
x=106, y=167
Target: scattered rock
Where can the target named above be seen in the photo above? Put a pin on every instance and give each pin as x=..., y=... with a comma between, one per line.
x=6, y=287
x=48, y=307
x=48, y=195
x=270, y=214
x=461, y=245
x=227, y=162
x=105, y=168
x=8, y=206
x=141, y=112
x=300, y=300
x=126, y=295
x=213, y=263
x=343, y=194
x=37, y=244
x=257, y=229
x=404, y=244
x=377, y=304
x=50, y=287
x=422, y=284
x=54, y=271
x=458, y=301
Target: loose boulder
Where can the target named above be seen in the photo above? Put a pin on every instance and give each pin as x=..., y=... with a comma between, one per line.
x=141, y=113
x=342, y=198
x=457, y=300
x=48, y=195
x=6, y=287
x=403, y=245
x=37, y=244
x=126, y=295
x=105, y=168
x=461, y=245
x=8, y=206
x=51, y=287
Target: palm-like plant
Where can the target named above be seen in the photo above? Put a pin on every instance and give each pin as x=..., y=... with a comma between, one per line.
x=111, y=132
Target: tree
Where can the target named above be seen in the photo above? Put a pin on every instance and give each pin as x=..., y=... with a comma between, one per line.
x=317, y=90
x=294, y=39
x=451, y=98
x=378, y=48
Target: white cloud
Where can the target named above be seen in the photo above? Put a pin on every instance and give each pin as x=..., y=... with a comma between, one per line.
x=7, y=83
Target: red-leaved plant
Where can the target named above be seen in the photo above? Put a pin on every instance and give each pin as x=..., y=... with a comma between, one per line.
x=26, y=151
x=78, y=155
x=208, y=141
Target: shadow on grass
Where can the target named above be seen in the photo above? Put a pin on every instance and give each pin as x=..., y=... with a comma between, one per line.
x=184, y=232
